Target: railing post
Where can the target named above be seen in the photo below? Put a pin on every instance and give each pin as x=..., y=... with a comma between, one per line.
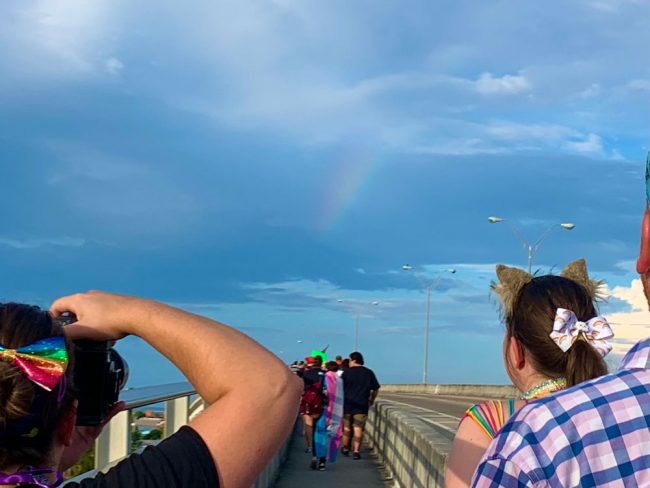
x=176, y=414
x=113, y=442
x=196, y=407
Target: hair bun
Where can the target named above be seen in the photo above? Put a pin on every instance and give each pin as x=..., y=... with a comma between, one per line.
x=16, y=394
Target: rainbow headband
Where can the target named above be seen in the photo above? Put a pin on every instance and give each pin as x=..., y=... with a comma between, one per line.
x=44, y=362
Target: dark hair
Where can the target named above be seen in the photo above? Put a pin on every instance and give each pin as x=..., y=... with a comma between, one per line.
x=332, y=366
x=29, y=414
x=345, y=364
x=318, y=361
x=531, y=322
x=357, y=357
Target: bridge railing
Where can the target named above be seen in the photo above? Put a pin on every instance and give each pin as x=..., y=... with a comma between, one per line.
x=413, y=450
x=114, y=444
x=181, y=405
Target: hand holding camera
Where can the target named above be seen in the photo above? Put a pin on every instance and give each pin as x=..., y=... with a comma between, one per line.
x=100, y=373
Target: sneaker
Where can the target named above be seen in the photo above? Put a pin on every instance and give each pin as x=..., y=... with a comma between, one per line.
x=356, y=455
x=321, y=466
x=345, y=451
x=314, y=464
x=307, y=450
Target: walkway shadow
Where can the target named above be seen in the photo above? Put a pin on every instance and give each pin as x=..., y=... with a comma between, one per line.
x=346, y=472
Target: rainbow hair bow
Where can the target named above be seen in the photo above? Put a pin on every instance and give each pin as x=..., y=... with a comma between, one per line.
x=567, y=329
x=44, y=362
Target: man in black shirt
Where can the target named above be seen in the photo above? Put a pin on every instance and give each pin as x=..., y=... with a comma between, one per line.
x=360, y=390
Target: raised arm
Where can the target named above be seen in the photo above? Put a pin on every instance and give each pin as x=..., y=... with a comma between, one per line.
x=253, y=396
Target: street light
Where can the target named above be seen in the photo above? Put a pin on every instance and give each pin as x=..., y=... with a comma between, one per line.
x=357, y=315
x=531, y=248
x=427, y=287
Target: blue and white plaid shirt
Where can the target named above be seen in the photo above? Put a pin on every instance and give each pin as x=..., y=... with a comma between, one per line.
x=594, y=434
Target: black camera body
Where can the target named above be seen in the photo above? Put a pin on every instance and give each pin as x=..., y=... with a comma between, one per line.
x=100, y=373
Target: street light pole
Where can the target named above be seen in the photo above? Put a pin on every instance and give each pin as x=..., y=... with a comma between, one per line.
x=427, y=289
x=356, y=333
x=531, y=248
x=357, y=317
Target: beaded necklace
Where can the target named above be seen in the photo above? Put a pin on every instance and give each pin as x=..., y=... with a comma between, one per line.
x=545, y=388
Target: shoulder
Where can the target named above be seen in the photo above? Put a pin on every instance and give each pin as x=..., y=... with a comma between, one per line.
x=489, y=416
x=181, y=460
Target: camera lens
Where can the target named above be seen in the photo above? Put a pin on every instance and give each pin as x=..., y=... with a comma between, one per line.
x=121, y=368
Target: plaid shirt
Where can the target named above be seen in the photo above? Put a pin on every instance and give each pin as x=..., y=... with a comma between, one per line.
x=594, y=434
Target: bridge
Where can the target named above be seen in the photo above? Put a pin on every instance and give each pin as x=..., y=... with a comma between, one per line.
x=408, y=436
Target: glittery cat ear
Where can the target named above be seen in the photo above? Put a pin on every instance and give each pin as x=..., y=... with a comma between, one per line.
x=577, y=271
x=511, y=281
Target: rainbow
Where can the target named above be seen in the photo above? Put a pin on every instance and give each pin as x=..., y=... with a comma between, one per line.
x=350, y=176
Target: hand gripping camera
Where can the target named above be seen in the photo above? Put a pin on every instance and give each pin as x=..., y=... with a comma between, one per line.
x=100, y=373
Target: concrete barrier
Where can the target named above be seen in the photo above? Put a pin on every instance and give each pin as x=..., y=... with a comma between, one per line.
x=270, y=473
x=480, y=391
x=413, y=451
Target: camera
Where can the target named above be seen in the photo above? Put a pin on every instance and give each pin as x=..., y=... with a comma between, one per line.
x=100, y=373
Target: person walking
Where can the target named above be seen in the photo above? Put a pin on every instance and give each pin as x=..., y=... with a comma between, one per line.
x=360, y=388
x=329, y=428
x=311, y=404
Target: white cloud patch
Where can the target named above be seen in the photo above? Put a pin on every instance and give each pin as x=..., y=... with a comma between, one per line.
x=633, y=325
x=488, y=84
x=34, y=243
x=640, y=85
x=113, y=66
x=592, y=144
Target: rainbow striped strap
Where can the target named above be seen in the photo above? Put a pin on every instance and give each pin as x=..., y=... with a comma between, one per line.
x=490, y=415
x=44, y=362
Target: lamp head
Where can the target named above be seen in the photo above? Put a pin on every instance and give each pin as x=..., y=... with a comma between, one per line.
x=495, y=220
x=568, y=225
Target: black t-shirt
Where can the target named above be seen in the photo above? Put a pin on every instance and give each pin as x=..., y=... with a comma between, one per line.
x=357, y=384
x=311, y=376
x=182, y=460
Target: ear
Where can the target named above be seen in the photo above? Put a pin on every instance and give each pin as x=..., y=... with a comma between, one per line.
x=511, y=281
x=577, y=271
x=67, y=424
x=517, y=354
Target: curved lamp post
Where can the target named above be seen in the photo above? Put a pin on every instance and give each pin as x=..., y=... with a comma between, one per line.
x=357, y=315
x=427, y=287
x=531, y=248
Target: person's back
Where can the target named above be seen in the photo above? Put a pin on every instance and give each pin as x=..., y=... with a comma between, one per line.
x=360, y=387
x=359, y=381
x=594, y=434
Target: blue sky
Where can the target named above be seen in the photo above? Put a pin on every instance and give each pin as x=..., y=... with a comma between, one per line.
x=257, y=161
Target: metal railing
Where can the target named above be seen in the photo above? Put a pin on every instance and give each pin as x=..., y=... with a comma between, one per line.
x=114, y=443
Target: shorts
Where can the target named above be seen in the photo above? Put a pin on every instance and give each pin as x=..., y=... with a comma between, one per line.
x=355, y=419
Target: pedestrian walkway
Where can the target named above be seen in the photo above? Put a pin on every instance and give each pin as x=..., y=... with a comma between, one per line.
x=345, y=472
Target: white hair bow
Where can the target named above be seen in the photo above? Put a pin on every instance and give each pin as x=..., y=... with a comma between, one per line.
x=567, y=329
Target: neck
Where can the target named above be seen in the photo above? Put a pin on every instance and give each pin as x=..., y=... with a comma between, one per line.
x=532, y=381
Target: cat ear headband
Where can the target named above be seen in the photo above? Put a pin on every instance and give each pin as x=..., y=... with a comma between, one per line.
x=512, y=280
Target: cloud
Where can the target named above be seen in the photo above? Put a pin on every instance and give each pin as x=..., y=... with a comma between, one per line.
x=113, y=66
x=632, y=325
x=34, y=243
x=612, y=6
x=640, y=85
x=504, y=85
x=593, y=144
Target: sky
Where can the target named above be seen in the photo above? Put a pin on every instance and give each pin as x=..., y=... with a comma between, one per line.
x=273, y=164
